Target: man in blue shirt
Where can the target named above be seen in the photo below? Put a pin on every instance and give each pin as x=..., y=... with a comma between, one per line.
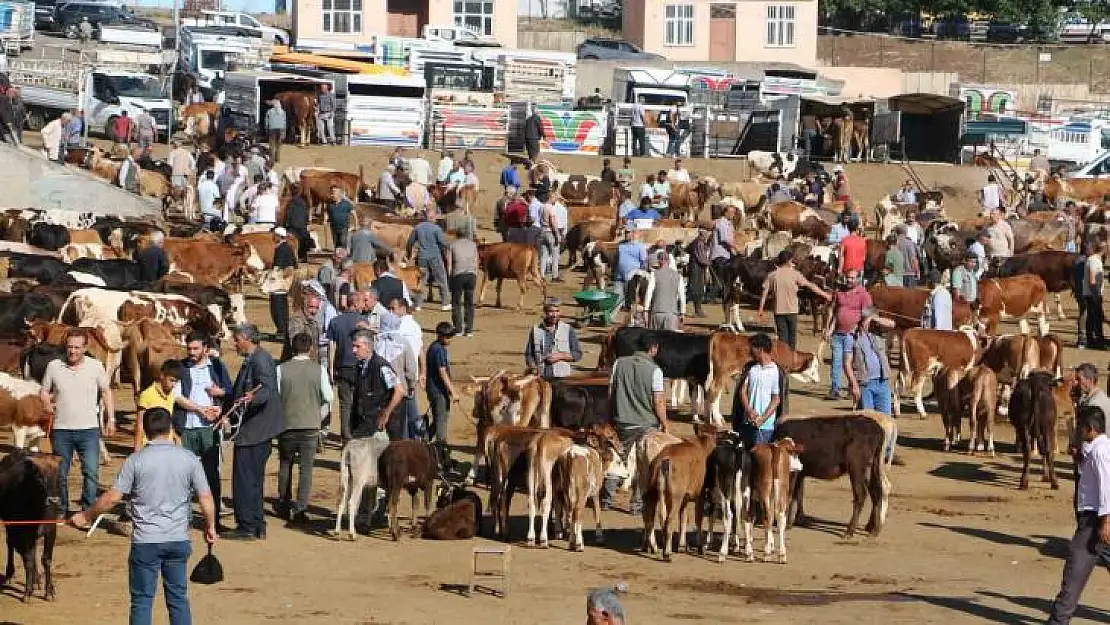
x=839, y=230
x=441, y=389
x=432, y=244
x=510, y=177
x=643, y=217
x=631, y=257
x=627, y=205
x=339, y=216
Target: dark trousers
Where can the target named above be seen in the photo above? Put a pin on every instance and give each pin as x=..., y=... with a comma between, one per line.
x=299, y=446
x=205, y=443
x=1094, y=320
x=441, y=413
x=532, y=146
x=338, y=235
x=639, y=141
x=86, y=444
x=1084, y=552
x=462, y=302
x=304, y=243
x=1081, y=324
x=697, y=285
x=279, y=312
x=909, y=282
x=248, y=476
x=786, y=326
x=275, y=137
x=345, y=389
x=144, y=564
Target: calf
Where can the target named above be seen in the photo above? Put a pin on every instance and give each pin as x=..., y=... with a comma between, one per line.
x=577, y=479
x=642, y=454
x=358, y=470
x=578, y=402
x=1052, y=266
x=726, y=489
x=925, y=351
x=975, y=390
x=1033, y=414
x=506, y=399
x=677, y=477
x=408, y=465
x=1015, y=296
x=509, y=261
x=833, y=446
x=22, y=408
x=30, y=490
x=1013, y=356
x=458, y=515
x=770, y=485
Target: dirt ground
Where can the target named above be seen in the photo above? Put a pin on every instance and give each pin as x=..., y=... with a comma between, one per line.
x=962, y=544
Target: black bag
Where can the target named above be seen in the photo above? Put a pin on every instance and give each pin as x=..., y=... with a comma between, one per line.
x=208, y=570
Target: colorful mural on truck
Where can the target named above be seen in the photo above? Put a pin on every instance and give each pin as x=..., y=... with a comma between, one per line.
x=987, y=100
x=469, y=127
x=572, y=132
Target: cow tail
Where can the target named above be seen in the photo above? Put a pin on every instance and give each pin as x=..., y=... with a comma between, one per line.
x=65, y=307
x=537, y=276
x=880, y=480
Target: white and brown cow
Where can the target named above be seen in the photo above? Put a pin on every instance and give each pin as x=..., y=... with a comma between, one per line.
x=1012, y=297
x=728, y=353
x=925, y=351
x=22, y=408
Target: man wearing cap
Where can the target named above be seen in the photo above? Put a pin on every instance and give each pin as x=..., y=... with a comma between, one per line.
x=552, y=344
x=603, y=607
x=840, y=184
x=284, y=258
x=439, y=385
x=866, y=364
x=965, y=286
x=665, y=298
x=275, y=127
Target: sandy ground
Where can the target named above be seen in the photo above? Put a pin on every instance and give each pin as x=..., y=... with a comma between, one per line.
x=962, y=544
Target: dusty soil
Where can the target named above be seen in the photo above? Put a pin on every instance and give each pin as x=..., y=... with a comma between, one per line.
x=962, y=544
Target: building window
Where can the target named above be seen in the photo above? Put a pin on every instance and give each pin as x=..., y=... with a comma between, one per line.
x=342, y=16
x=477, y=16
x=679, y=24
x=780, y=26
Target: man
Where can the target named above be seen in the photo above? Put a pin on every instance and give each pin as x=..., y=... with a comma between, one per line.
x=965, y=286
x=603, y=607
x=275, y=127
x=76, y=129
x=446, y=166
x=938, y=309
x=256, y=164
x=304, y=321
x=849, y=302
x=778, y=195
x=388, y=286
x=1090, y=545
x=160, y=480
x=198, y=397
x=52, y=134
x=550, y=239
x=284, y=258
x=377, y=390
x=510, y=178
x=129, y=172
x=699, y=251
x=152, y=261
x=839, y=230
x=325, y=115
x=757, y=401
x=1039, y=162
x=668, y=121
x=680, y=173
x=85, y=32
x=784, y=281
x=639, y=129
x=305, y=391
x=990, y=196
x=978, y=248
x=552, y=344
x=339, y=216
x=342, y=361
x=122, y=129
x=648, y=188
x=146, y=129
x=723, y=236
x=388, y=191
x=515, y=217
x=906, y=195
x=626, y=205
x=440, y=386
x=158, y=395
x=665, y=300
x=263, y=420
x=853, y=251
x=533, y=133
x=1000, y=242
x=866, y=364
x=1092, y=294
x=182, y=165
x=265, y=205
x=910, y=259
x=207, y=194
x=631, y=257
x=661, y=193
x=607, y=174
x=626, y=174
x=636, y=407
x=296, y=222
x=70, y=391
x=841, y=192
x=365, y=246
x=432, y=244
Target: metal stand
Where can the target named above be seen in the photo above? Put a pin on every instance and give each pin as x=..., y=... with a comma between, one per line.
x=501, y=573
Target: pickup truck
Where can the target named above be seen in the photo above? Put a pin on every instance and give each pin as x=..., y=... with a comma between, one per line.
x=243, y=21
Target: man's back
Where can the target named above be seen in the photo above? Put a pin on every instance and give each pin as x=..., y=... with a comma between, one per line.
x=784, y=283
x=362, y=247
x=429, y=237
x=160, y=479
x=631, y=384
x=854, y=250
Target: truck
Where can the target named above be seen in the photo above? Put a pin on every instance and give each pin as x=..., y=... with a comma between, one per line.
x=247, y=93
x=659, y=89
x=17, y=26
x=127, y=35
x=243, y=21
x=519, y=70
x=207, y=54
x=51, y=87
x=1078, y=142
x=385, y=109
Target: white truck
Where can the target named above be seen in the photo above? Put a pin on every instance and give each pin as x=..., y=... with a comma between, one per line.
x=385, y=109
x=1079, y=142
x=208, y=55
x=243, y=21
x=132, y=36
x=660, y=89
x=17, y=26
x=51, y=87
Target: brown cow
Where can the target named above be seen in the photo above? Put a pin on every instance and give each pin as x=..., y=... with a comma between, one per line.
x=906, y=306
x=1052, y=266
x=688, y=199
x=300, y=110
x=677, y=476
x=22, y=408
x=578, y=214
x=316, y=186
x=211, y=262
x=1033, y=413
x=1079, y=189
x=729, y=352
x=770, y=486
x=978, y=390
x=1014, y=296
x=797, y=219
x=925, y=351
x=509, y=261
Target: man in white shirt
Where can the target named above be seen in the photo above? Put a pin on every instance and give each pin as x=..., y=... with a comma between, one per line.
x=679, y=173
x=265, y=205
x=979, y=249
x=182, y=165
x=446, y=166
x=1090, y=545
x=1092, y=295
x=990, y=196
x=661, y=193
x=207, y=193
x=758, y=395
x=906, y=194
x=648, y=188
x=1000, y=243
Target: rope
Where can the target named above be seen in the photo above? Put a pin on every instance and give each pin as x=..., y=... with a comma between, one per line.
x=42, y=522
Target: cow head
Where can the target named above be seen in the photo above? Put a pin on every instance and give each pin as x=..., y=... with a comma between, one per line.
x=807, y=363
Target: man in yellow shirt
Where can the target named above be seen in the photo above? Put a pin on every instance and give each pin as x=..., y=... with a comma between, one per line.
x=158, y=395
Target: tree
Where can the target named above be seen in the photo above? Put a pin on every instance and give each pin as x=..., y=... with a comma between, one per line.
x=1095, y=12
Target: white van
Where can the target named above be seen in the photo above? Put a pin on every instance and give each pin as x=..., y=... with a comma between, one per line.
x=238, y=20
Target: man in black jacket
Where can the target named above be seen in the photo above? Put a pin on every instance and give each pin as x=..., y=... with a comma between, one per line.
x=378, y=390
x=296, y=222
x=152, y=261
x=284, y=258
x=533, y=133
x=263, y=420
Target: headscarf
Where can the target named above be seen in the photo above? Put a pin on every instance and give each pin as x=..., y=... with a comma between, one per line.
x=389, y=343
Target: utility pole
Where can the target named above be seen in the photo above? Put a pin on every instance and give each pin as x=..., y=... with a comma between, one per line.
x=173, y=71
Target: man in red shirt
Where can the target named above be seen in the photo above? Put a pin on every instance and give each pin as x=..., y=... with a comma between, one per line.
x=515, y=219
x=853, y=251
x=121, y=129
x=848, y=303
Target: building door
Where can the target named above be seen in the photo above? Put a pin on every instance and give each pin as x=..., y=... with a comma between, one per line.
x=406, y=18
x=722, y=32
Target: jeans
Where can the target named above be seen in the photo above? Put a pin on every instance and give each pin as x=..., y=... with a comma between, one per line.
x=838, y=341
x=431, y=269
x=672, y=144
x=1094, y=320
x=297, y=445
x=144, y=564
x=325, y=122
x=275, y=137
x=441, y=414
x=279, y=312
x=338, y=235
x=205, y=443
x=145, y=141
x=414, y=425
x=628, y=437
x=248, y=477
x=639, y=141
x=1085, y=551
x=462, y=302
x=87, y=445
x=786, y=326
x=875, y=395
x=549, y=254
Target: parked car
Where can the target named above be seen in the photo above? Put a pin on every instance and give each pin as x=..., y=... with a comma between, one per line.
x=613, y=50
x=240, y=20
x=44, y=11
x=68, y=17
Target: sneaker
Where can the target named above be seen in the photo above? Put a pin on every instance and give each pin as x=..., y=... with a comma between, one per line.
x=445, y=308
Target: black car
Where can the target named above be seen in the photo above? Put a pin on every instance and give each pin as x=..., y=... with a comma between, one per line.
x=68, y=17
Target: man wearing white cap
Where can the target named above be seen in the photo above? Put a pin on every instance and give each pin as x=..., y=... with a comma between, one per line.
x=840, y=185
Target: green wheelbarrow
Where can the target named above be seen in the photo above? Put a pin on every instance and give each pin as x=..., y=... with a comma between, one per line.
x=597, y=306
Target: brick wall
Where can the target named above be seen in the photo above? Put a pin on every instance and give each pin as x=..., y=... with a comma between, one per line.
x=975, y=63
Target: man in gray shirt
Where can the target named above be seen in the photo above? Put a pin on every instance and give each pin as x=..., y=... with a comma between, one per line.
x=429, y=236
x=365, y=246
x=275, y=128
x=160, y=479
x=639, y=129
x=325, y=115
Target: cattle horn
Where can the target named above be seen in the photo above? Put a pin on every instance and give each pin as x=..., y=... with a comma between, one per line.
x=525, y=381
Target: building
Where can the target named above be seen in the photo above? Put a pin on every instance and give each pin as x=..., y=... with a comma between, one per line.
x=357, y=21
x=756, y=31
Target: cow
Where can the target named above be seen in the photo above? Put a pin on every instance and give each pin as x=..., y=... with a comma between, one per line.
x=1015, y=296
x=507, y=400
x=1055, y=268
x=737, y=276
x=578, y=402
x=976, y=389
x=22, y=408
x=582, y=233
x=408, y=465
x=509, y=261
x=728, y=353
x=115, y=274
x=907, y=306
x=181, y=312
x=458, y=515
x=200, y=121
x=835, y=445
x=300, y=109
x=677, y=476
x=725, y=490
x=688, y=199
x=358, y=470
x=42, y=269
x=17, y=310
x=30, y=490
x=770, y=481
x=579, y=214
x=1091, y=190
x=316, y=186
x=1033, y=414
x=576, y=479
x=1012, y=357
x=798, y=219
x=773, y=164
x=925, y=351
x=682, y=356
x=49, y=236
x=211, y=262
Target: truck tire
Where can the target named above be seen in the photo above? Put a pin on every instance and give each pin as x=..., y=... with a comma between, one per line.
x=35, y=120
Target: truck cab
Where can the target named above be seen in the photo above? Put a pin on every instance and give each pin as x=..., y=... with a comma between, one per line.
x=110, y=93
x=207, y=56
x=1079, y=142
